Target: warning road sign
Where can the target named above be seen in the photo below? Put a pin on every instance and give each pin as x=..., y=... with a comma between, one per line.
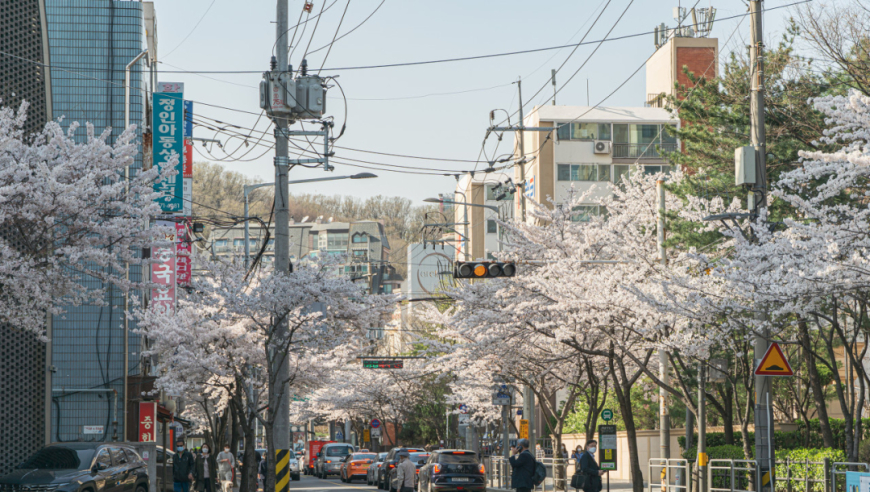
x=773, y=363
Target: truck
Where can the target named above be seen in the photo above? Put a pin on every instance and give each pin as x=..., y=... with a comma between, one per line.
x=311, y=455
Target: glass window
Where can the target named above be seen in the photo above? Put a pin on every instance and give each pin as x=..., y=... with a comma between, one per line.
x=336, y=240
x=221, y=243
x=360, y=255
x=59, y=458
x=668, y=137
x=604, y=172
x=584, y=172
x=338, y=450
x=620, y=170
x=360, y=238
x=590, y=131
x=584, y=213
x=132, y=457
x=119, y=456
x=388, y=288
x=564, y=131
x=620, y=133
x=364, y=268
x=271, y=244
x=564, y=172
x=652, y=169
x=104, y=458
x=491, y=227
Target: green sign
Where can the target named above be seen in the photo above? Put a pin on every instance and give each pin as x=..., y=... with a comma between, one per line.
x=607, y=415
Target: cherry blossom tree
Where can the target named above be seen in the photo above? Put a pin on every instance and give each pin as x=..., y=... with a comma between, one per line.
x=67, y=212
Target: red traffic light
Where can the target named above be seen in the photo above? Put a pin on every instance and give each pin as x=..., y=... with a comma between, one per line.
x=483, y=269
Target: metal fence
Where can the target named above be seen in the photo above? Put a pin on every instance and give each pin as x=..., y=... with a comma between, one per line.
x=674, y=475
x=559, y=472
x=739, y=475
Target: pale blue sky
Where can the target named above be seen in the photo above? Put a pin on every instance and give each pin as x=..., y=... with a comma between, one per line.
x=237, y=35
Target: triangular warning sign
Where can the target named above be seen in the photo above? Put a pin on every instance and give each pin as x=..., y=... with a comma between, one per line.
x=773, y=363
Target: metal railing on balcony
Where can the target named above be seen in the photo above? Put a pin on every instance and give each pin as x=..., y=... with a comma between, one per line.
x=642, y=151
x=658, y=100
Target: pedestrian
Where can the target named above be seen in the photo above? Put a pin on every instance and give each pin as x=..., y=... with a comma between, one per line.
x=182, y=468
x=539, y=452
x=589, y=468
x=564, y=452
x=578, y=452
x=523, y=465
x=406, y=472
x=262, y=470
x=206, y=471
x=226, y=465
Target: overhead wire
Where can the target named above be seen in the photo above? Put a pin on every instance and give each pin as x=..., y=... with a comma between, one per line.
x=335, y=36
x=194, y=28
x=352, y=30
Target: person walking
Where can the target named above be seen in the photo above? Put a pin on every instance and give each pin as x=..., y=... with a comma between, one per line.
x=206, y=471
x=262, y=469
x=406, y=473
x=226, y=463
x=564, y=452
x=523, y=467
x=589, y=468
x=182, y=468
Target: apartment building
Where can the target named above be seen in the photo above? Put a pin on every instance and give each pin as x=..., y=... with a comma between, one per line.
x=482, y=200
x=364, y=244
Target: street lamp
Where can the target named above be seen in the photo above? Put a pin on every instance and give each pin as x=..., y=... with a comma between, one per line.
x=249, y=188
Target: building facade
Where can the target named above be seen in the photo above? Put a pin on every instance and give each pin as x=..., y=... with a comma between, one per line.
x=94, y=349
x=364, y=244
x=489, y=198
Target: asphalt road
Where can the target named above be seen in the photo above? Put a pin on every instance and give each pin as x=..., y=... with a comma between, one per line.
x=329, y=485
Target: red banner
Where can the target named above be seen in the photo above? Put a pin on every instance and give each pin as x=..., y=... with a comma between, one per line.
x=147, y=421
x=187, y=168
x=163, y=271
x=183, y=250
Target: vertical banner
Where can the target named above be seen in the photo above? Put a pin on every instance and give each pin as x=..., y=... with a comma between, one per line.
x=187, y=172
x=163, y=270
x=147, y=421
x=168, y=143
x=188, y=119
x=183, y=251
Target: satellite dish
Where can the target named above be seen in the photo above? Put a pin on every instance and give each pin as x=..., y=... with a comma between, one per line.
x=330, y=219
x=303, y=219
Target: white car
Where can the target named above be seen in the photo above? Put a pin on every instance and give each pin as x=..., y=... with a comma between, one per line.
x=295, y=467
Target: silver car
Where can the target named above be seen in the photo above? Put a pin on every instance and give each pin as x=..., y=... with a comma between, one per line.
x=372, y=472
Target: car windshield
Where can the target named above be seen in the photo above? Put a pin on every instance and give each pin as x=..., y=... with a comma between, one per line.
x=363, y=456
x=458, y=459
x=382, y=456
x=59, y=458
x=338, y=451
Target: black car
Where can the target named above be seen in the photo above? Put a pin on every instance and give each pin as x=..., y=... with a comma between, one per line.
x=389, y=464
x=419, y=459
x=79, y=467
x=452, y=470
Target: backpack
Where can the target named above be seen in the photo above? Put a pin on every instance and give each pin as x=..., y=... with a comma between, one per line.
x=540, y=473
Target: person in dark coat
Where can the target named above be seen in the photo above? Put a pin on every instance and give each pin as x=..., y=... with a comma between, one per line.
x=182, y=468
x=589, y=467
x=206, y=471
x=523, y=465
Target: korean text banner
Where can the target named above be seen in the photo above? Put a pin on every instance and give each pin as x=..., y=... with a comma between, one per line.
x=168, y=121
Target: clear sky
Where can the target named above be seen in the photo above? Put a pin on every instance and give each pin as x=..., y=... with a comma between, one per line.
x=405, y=110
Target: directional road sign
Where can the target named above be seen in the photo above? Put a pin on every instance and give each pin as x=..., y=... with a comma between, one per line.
x=773, y=363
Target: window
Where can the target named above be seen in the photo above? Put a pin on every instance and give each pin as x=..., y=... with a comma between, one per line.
x=270, y=244
x=239, y=243
x=360, y=238
x=336, y=241
x=577, y=172
x=491, y=227
x=221, y=243
x=104, y=458
x=118, y=454
x=132, y=457
x=620, y=170
x=604, y=172
x=60, y=458
x=584, y=213
x=338, y=451
x=388, y=288
x=360, y=255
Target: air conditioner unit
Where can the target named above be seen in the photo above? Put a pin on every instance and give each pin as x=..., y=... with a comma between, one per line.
x=602, y=146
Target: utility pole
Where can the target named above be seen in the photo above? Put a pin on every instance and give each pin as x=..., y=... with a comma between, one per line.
x=281, y=422
x=664, y=414
x=702, y=427
x=757, y=201
x=521, y=185
x=553, y=80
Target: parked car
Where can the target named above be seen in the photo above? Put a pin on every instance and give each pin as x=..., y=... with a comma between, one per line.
x=418, y=458
x=390, y=462
x=452, y=470
x=294, y=467
x=330, y=457
x=167, y=486
x=80, y=467
x=372, y=472
x=356, y=466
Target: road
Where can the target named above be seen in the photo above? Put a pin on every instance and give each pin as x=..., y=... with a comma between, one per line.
x=329, y=485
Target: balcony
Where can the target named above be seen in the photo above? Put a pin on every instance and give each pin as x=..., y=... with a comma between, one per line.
x=642, y=151
x=656, y=100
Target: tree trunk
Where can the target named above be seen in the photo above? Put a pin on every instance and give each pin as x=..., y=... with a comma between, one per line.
x=623, y=393
x=728, y=415
x=815, y=385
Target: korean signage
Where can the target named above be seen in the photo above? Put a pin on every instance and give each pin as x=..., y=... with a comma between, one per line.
x=524, y=429
x=163, y=273
x=188, y=118
x=147, y=421
x=187, y=196
x=607, y=447
x=183, y=251
x=92, y=429
x=173, y=87
x=168, y=143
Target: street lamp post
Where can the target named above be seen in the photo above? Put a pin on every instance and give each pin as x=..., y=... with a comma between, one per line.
x=249, y=188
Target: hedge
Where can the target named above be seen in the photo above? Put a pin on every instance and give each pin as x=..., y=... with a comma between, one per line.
x=726, y=452
x=796, y=470
x=792, y=439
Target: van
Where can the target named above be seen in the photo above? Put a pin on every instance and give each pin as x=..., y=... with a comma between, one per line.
x=329, y=458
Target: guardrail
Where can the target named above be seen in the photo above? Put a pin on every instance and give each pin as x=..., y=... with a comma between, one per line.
x=840, y=468
x=730, y=475
x=675, y=475
x=789, y=475
x=498, y=473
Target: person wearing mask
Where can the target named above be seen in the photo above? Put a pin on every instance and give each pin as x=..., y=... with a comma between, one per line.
x=226, y=463
x=589, y=468
x=578, y=452
x=262, y=470
x=206, y=471
x=406, y=473
x=182, y=468
x=564, y=452
x=523, y=467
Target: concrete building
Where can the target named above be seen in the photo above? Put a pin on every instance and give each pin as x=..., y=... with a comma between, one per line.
x=484, y=232
x=364, y=242
x=664, y=70
x=79, y=379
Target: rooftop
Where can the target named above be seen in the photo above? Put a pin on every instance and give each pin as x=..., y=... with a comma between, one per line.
x=602, y=114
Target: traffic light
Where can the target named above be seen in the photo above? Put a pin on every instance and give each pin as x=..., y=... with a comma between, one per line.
x=483, y=269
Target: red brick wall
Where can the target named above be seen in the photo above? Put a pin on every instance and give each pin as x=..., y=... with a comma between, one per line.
x=701, y=61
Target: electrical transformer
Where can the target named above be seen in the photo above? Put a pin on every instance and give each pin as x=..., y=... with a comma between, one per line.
x=310, y=97
x=278, y=94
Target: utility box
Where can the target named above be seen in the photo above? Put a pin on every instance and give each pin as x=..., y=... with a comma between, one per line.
x=744, y=166
x=310, y=97
x=278, y=93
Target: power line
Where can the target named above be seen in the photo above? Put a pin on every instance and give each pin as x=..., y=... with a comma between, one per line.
x=194, y=29
x=334, y=36
x=352, y=30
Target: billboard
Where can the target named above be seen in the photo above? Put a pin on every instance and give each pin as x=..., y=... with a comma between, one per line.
x=168, y=143
x=163, y=273
x=425, y=268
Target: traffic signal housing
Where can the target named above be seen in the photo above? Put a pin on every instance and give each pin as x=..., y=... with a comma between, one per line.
x=483, y=269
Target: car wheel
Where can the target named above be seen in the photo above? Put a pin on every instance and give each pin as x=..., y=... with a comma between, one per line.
x=295, y=477
x=141, y=488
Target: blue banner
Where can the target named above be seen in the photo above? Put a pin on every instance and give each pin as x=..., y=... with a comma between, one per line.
x=168, y=120
x=188, y=119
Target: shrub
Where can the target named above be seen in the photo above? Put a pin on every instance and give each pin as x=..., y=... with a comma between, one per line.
x=725, y=452
x=795, y=466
